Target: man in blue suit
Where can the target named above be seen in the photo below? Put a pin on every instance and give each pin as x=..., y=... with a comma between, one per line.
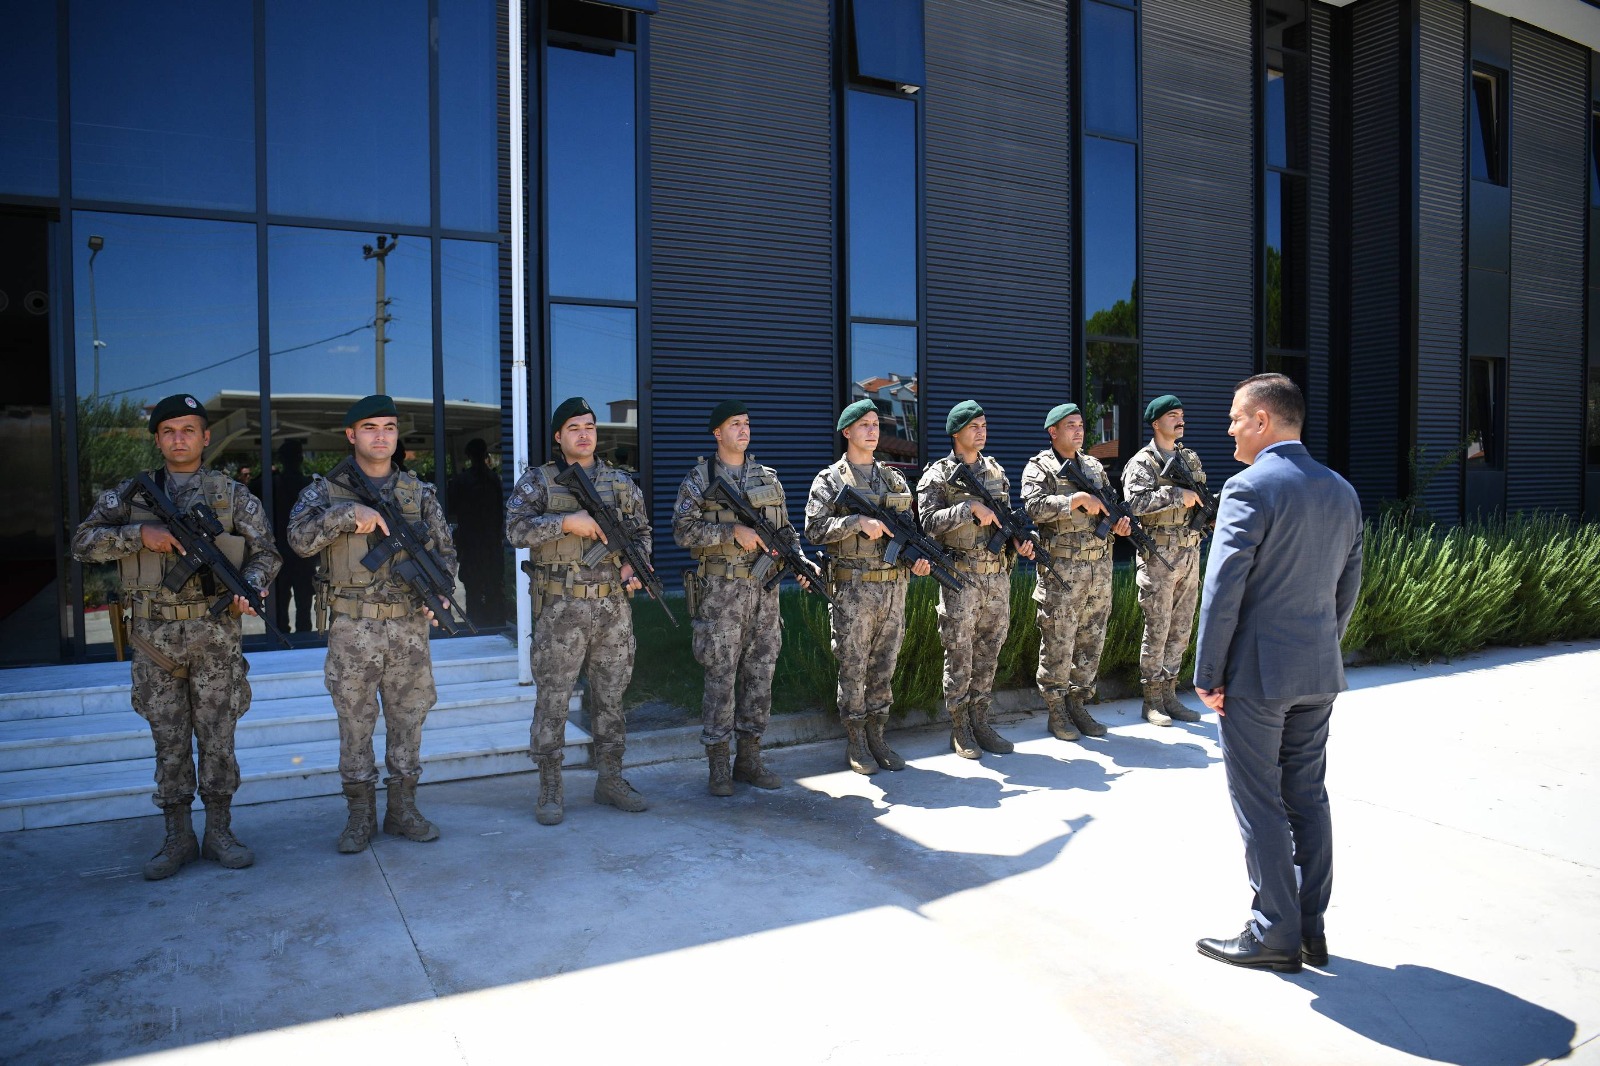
x=1280, y=586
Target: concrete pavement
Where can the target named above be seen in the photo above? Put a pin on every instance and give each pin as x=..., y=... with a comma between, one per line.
x=1042, y=904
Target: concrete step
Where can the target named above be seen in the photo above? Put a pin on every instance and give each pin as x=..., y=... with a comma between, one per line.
x=97, y=792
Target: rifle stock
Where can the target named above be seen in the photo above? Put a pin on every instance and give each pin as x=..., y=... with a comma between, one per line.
x=618, y=539
x=907, y=542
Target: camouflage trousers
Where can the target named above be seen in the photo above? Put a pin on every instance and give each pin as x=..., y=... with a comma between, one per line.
x=973, y=624
x=737, y=637
x=1074, y=602
x=1168, y=599
x=373, y=657
x=200, y=709
x=570, y=632
x=868, y=623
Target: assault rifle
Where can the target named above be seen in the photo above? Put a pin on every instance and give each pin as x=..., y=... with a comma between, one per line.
x=197, y=531
x=1116, y=511
x=782, y=546
x=617, y=537
x=420, y=568
x=907, y=542
x=1015, y=522
x=1176, y=471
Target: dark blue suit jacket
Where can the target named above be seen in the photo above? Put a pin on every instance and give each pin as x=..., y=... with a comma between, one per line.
x=1281, y=579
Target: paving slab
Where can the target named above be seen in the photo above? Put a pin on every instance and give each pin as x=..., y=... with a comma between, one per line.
x=1037, y=906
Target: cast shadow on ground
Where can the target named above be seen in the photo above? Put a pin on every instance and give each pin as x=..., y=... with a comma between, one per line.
x=1436, y=1015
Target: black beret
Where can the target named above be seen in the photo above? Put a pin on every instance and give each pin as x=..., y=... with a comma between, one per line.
x=568, y=409
x=724, y=411
x=371, y=407
x=855, y=413
x=1058, y=412
x=1160, y=406
x=960, y=415
x=176, y=407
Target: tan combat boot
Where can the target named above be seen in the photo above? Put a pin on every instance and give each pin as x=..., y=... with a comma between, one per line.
x=882, y=754
x=961, y=740
x=548, y=809
x=1082, y=720
x=1152, y=705
x=749, y=768
x=1059, y=725
x=721, y=781
x=179, y=849
x=1172, y=705
x=362, y=800
x=610, y=787
x=400, y=815
x=984, y=734
x=860, y=758
x=220, y=845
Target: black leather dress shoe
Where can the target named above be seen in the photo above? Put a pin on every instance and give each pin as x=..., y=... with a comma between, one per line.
x=1314, y=950
x=1246, y=950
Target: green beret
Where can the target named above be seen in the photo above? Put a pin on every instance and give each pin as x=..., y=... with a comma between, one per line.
x=960, y=415
x=724, y=411
x=371, y=407
x=567, y=410
x=1060, y=411
x=176, y=407
x=855, y=413
x=1160, y=406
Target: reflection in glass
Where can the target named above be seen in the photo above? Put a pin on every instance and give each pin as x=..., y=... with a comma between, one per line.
x=1297, y=368
x=163, y=103
x=594, y=354
x=590, y=182
x=1110, y=73
x=29, y=160
x=1593, y=420
x=1485, y=132
x=1113, y=394
x=468, y=159
x=322, y=303
x=1286, y=284
x=174, y=307
x=882, y=202
x=347, y=109
x=1110, y=240
x=1594, y=159
x=1485, y=385
x=1285, y=112
x=883, y=369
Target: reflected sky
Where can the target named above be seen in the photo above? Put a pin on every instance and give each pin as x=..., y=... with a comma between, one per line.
x=1110, y=74
x=468, y=155
x=29, y=161
x=590, y=185
x=882, y=204
x=1110, y=222
x=593, y=354
x=470, y=320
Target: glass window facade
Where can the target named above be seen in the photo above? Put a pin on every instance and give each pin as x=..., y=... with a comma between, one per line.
x=1285, y=222
x=29, y=152
x=468, y=183
x=1486, y=129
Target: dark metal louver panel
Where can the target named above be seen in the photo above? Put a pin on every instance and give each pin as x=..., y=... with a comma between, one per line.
x=998, y=232
x=1549, y=198
x=1198, y=246
x=1319, y=189
x=742, y=255
x=1441, y=248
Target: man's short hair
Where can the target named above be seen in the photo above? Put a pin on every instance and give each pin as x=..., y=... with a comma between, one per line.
x=1278, y=394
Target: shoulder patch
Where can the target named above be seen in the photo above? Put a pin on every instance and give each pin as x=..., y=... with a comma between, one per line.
x=110, y=499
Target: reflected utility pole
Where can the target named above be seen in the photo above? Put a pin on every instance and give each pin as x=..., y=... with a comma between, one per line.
x=96, y=242
x=381, y=318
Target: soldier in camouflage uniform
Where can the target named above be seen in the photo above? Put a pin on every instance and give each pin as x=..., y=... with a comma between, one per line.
x=737, y=630
x=581, y=612
x=378, y=637
x=1167, y=597
x=1074, y=596
x=189, y=678
x=867, y=618
x=973, y=623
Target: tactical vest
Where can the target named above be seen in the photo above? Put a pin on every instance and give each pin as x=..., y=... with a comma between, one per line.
x=761, y=491
x=340, y=563
x=1074, y=526
x=567, y=549
x=856, y=547
x=969, y=535
x=1170, y=519
x=143, y=571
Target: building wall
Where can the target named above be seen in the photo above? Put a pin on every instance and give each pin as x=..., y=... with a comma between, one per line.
x=1319, y=325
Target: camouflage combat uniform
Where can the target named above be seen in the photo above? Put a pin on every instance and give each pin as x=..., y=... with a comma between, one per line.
x=1074, y=595
x=201, y=703
x=1167, y=597
x=973, y=623
x=868, y=616
x=581, y=615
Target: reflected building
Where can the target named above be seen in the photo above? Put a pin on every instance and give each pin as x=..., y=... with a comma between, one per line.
x=796, y=204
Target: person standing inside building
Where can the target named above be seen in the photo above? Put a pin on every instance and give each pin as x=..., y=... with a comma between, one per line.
x=477, y=504
x=1281, y=585
x=378, y=636
x=189, y=674
x=581, y=612
x=737, y=629
x=298, y=575
x=867, y=620
x=1074, y=595
x=1167, y=597
x=973, y=623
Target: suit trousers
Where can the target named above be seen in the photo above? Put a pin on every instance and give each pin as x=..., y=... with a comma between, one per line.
x=1275, y=755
